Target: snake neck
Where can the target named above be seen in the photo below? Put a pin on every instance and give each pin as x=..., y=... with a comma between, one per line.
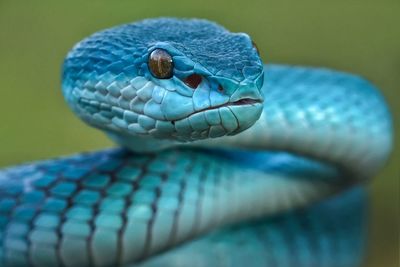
x=337, y=118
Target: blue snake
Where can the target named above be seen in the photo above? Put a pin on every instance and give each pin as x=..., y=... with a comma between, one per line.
x=224, y=161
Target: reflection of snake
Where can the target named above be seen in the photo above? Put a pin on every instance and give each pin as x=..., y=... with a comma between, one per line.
x=164, y=82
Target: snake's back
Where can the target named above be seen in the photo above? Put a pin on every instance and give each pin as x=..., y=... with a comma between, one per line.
x=112, y=208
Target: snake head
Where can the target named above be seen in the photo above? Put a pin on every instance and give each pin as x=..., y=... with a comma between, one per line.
x=179, y=79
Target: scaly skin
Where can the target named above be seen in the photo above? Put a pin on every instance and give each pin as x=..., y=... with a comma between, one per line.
x=317, y=133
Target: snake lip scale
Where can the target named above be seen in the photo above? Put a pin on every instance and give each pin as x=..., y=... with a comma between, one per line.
x=204, y=158
x=241, y=102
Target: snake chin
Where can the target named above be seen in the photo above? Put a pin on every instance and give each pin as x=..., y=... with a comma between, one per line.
x=124, y=125
x=211, y=123
x=226, y=119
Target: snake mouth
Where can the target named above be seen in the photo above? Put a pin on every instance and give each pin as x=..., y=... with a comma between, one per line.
x=98, y=106
x=240, y=102
x=245, y=101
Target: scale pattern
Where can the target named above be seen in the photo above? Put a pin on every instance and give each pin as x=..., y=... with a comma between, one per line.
x=115, y=207
x=121, y=49
x=318, y=132
x=329, y=234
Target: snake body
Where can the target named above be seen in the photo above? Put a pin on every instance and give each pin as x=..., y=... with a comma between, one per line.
x=242, y=160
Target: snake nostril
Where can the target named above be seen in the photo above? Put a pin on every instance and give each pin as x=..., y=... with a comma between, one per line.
x=193, y=80
x=220, y=88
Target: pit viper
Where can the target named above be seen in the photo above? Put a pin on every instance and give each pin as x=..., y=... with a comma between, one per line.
x=222, y=160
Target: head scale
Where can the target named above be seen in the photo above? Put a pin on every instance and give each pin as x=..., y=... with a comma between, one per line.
x=179, y=79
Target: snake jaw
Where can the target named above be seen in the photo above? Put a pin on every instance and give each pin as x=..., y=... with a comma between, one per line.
x=154, y=111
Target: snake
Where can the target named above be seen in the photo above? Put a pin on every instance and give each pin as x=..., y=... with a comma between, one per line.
x=222, y=160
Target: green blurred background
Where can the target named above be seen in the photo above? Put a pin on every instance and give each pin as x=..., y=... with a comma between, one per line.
x=355, y=36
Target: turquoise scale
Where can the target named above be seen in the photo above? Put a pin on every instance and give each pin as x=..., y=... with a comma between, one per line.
x=282, y=193
x=131, y=222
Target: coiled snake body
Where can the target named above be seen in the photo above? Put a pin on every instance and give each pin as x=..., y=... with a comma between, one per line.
x=215, y=142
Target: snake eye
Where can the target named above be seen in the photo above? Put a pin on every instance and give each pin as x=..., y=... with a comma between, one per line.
x=193, y=80
x=255, y=47
x=160, y=64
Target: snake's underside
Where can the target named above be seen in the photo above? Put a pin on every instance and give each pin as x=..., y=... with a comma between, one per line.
x=223, y=165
